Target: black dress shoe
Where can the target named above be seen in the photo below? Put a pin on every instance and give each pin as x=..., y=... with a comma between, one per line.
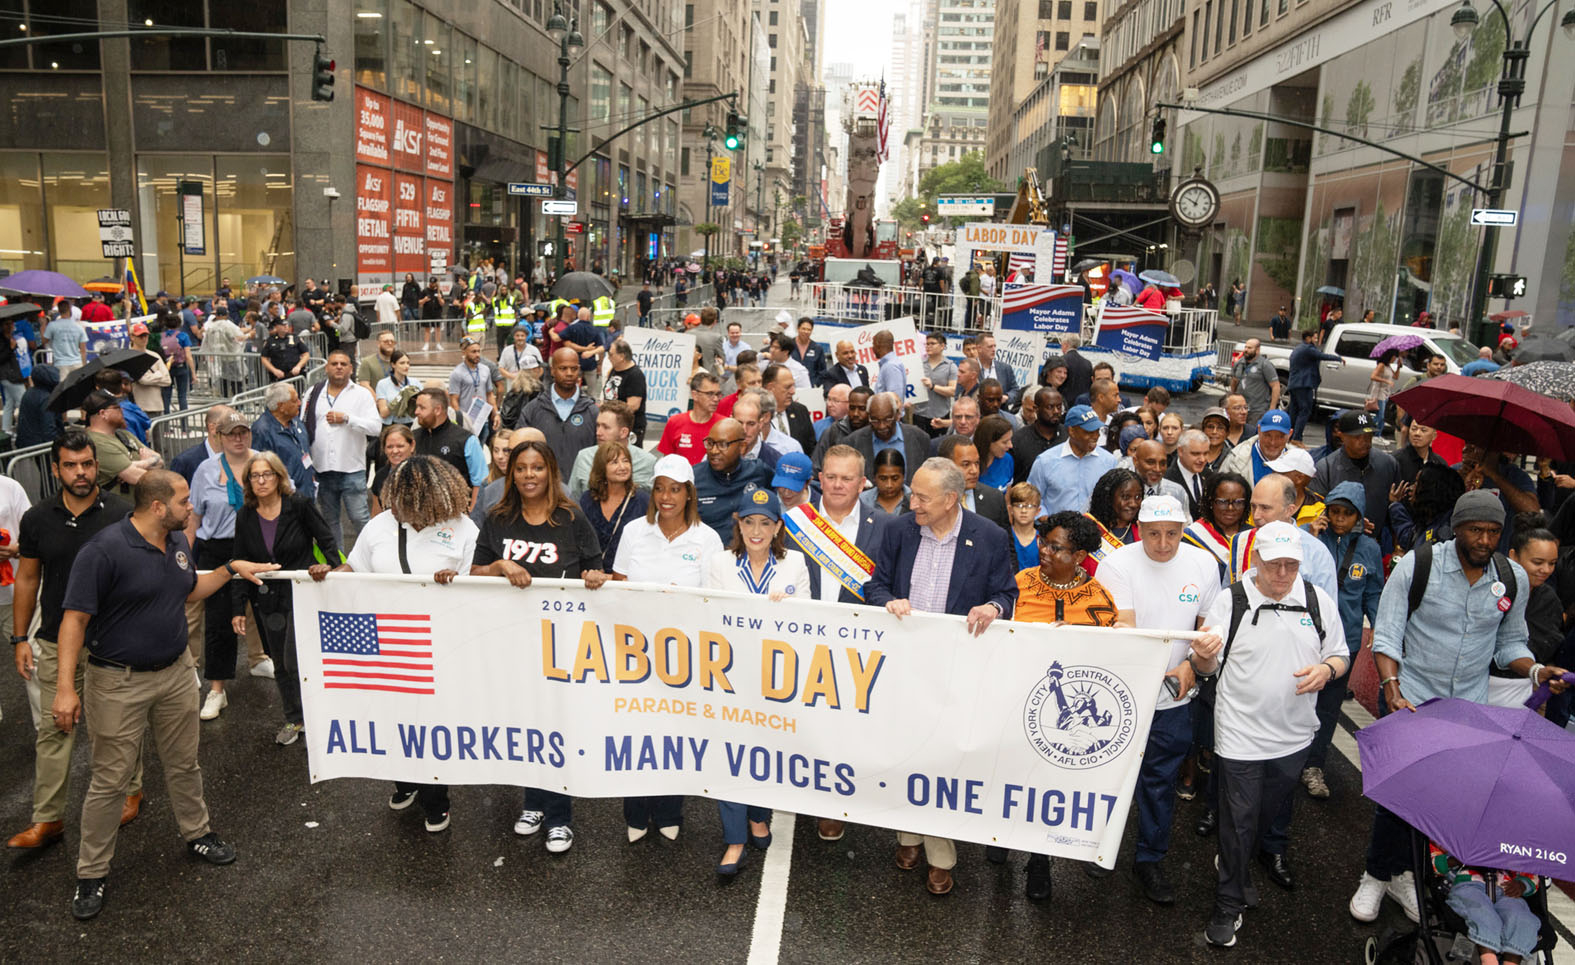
x=1038, y=878
x=994, y=854
x=1207, y=824
x=1156, y=884
x=1278, y=868
x=89, y=898
x=1095, y=871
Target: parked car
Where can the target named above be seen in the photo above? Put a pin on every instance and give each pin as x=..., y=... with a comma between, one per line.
x=1345, y=386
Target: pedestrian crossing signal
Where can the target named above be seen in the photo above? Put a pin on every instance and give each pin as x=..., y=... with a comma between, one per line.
x=1157, y=142
x=1506, y=286
x=322, y=77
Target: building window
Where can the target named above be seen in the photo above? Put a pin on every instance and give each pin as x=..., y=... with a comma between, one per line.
x=1090, y=10
x=683, y=162
x=1263, y=17
x=1246, y=22
x=1063, y=40
x=1285, y=7
x=1219, y=29
x=1192, y=58
x=1063, y=9
x=1046, y=9
x=689, y=64
x=1234, y=9
x=689, y=18
x=1208, y=19
x=773, y=20
x=371, y=43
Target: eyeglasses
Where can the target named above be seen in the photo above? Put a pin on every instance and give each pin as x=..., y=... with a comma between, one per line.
x=717, y=445
x=264, y=474
x=1230, y=503
x=713, y=393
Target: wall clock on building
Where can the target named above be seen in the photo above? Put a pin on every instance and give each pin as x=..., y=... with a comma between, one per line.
x=1195, y=203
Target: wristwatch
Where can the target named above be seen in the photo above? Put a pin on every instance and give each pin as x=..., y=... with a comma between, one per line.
x=18, y=638
x=230, y=566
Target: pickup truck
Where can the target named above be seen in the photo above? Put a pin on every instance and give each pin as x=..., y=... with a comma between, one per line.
x=1345, y=386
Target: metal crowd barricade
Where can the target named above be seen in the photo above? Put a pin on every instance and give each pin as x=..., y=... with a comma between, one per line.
x=30, y=468
x=172, y=433
x=861, y=305
x=219, y=375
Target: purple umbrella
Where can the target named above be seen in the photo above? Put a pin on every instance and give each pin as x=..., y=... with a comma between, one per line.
x=39, y=282
x=1403, y=343
x=1493, y=786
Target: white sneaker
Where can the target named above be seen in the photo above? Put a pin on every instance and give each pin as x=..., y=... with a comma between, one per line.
x=212, y=704
x=529, y=823
x=560, y=839
x=264, y=668
x=1368, y=898
x=1402, y=888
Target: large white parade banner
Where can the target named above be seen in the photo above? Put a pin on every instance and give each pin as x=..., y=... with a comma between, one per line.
x=1028, y=736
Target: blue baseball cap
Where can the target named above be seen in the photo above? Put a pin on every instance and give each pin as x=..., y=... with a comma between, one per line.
x=793, y=472
x=1083, y=417
x=755, y=501
x=1275, y=420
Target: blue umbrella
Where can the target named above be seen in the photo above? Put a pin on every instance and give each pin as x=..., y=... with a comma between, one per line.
x=1163, y=279
x=266, y=280
x=1331, y=290
x=1123, y=277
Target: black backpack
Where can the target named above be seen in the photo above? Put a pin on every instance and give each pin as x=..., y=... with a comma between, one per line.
x=1238, y=611
x=1424, y=569
x=358, y=324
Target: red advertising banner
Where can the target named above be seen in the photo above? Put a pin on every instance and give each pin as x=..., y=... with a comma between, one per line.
x=409, y=226
x=439, y=147
x=440, y=220
x=543, y=173
x=371, y=127
x=373, y=228
x=409, y=133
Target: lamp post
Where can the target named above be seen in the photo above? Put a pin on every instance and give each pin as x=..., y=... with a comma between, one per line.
x=1511, y=83
x=760, y=195
x=710, y=135
x=567, y=35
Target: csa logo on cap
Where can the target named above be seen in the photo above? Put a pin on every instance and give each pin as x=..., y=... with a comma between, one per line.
x=761, y=497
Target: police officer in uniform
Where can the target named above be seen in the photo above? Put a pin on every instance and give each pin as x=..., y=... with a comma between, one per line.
x=476, y=309
x=504, y=315
x=125, y=604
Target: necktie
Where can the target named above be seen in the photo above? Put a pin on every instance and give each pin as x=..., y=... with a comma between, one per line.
x=1197, y=493
x=1152, y=491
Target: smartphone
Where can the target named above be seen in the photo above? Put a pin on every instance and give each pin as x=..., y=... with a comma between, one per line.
x=1173, y=687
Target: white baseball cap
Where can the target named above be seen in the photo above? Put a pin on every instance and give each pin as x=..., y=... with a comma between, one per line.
x=1278, y=541
x=1293, y=459
x=1162, y=509
x=674, y=467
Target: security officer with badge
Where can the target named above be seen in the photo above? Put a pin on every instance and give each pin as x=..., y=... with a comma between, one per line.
x=125, y=604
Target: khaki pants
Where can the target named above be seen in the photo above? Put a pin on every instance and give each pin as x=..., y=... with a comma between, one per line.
x=938, y=852
x=194, y=643
x=121, y=706
x=52, y=768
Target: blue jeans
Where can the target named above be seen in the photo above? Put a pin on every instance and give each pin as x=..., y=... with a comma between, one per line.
x=558, y=808
x=1506, y=926
x=13, y=402
x=180, y=382
x=1378, y=417
x=347, y=489
x=1168, y=741
x=736, y=818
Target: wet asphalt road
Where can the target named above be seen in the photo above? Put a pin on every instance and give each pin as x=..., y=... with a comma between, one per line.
x=327, y=873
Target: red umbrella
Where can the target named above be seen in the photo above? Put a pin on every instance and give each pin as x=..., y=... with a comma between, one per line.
x=1508, y=316
x=1498, y=416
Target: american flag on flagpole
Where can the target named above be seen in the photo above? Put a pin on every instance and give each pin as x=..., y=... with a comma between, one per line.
x=882, y=124
x=390, y=652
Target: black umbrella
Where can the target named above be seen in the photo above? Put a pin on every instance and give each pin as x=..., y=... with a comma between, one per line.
x=18, y=309
x=74, y=389
x=1544, y=348
x=1086, y=264
x=1554, y=379
x=582, y=286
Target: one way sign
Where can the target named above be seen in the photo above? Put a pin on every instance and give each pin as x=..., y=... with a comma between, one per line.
x=1494, y=218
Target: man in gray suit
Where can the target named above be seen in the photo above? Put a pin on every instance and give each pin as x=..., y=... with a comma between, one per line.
x=886, y=432
x=709, y=341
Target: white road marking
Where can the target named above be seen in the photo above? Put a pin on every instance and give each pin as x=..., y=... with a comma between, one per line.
x=1560, y=908
x=765, y=942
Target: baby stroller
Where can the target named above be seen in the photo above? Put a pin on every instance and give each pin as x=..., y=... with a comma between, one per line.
x=1440, y=937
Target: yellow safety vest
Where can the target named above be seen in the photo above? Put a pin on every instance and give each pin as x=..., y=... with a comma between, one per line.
x=503, y=312
x=554, y=307
x=476, y=317
x=603, y=311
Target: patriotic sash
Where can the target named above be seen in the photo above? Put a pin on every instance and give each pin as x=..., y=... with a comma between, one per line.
x=1108, y=543
x=1241, y=553
x=821, y=541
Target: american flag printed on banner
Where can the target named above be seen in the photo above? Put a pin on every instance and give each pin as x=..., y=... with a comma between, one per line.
x=1059, y=266
x=390, y=652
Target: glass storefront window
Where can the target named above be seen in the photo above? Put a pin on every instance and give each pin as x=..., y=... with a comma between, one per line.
x=642, y=108
x=159, y=233
x=168, y=53
x=371, y=43
x=508, y=98
x=435, y=39
x=21, y=213
x=253, y=206
x=228, y=113
x=405, y=34
x=75, y=187
x=73, y=55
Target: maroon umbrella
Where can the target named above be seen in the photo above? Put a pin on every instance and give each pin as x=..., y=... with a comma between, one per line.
x=1499, y=416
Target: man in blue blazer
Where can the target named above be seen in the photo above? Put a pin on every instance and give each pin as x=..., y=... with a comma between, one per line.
x=965, y=566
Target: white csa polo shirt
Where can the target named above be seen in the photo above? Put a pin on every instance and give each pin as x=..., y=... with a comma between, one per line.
x=646, y=556
x=450, y=545
x=1163, y=596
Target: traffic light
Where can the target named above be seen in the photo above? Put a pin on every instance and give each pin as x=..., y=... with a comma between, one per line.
x=1156, y=144
x=322, y=77
x=924, y=218
x=1506, y=286
x=734, y=136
